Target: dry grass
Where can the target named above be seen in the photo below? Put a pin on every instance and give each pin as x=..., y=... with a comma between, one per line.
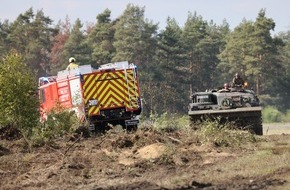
x=267, y=159
x=150, y=159
x=276, y=128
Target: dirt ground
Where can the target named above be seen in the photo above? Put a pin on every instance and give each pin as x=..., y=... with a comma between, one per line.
x=147, y=159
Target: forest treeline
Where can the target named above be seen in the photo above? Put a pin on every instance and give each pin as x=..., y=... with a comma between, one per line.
x=172, y=62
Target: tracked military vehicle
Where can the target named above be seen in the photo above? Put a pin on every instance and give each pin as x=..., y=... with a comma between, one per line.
x=238, y=105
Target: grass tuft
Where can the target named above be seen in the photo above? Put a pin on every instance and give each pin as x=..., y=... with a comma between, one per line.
x=223, y=134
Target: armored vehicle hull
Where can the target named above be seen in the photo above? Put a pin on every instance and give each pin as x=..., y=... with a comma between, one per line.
x=240, y=106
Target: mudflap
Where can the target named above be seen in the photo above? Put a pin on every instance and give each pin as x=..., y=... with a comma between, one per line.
x=131, y=125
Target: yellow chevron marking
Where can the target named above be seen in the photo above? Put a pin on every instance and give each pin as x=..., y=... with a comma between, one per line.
x=94, y=110
x=110, y=93
x=103, y=90
x=112, y=101
x=88, y=86
x=110, y=85
x=88, y=79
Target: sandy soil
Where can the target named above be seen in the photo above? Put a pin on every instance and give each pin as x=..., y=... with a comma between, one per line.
x=276, y=128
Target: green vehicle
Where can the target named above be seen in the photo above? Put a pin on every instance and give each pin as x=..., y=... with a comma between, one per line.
x=237, y=104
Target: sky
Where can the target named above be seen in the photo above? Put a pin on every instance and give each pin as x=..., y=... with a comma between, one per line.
x=233, y=11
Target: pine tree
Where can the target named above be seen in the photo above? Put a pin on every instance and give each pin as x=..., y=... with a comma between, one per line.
x=252, y=51
x=101, y=39
x=193, y=36
x=76, y=45
x=57, y=58
x=30, y=35
x=133, y=36
x=4, y=42
x=163, y=88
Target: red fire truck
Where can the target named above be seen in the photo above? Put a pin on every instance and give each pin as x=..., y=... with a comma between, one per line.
x=103, y=96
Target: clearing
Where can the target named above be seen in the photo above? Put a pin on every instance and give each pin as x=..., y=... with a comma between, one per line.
x=148, y=159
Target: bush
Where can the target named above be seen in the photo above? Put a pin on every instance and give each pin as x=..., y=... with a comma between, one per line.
x=18, y=95
x=286, y=116
x=271, y=114
x=59, y=122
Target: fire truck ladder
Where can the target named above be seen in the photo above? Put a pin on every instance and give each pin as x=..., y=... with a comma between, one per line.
x=131, y=79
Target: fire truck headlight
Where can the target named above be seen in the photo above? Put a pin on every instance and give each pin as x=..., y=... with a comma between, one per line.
x=93, y=102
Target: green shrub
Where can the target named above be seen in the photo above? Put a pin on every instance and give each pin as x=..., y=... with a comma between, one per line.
x=286, y=116
x=18, y=95
x=59, y=122
x=271, y=114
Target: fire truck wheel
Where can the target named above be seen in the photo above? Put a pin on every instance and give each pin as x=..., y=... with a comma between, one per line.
x=84, y=131
x=131, y=128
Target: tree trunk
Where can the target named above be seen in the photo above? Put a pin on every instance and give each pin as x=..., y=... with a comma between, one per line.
x=258, y=86
x=190, y=71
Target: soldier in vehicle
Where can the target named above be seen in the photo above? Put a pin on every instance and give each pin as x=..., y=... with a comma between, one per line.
x=72, y=64
x=226, y=88
x=238, y=81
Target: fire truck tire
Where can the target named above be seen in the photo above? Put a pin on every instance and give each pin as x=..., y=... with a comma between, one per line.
x=84, y=131
x=100, y=127
x=131, y=128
